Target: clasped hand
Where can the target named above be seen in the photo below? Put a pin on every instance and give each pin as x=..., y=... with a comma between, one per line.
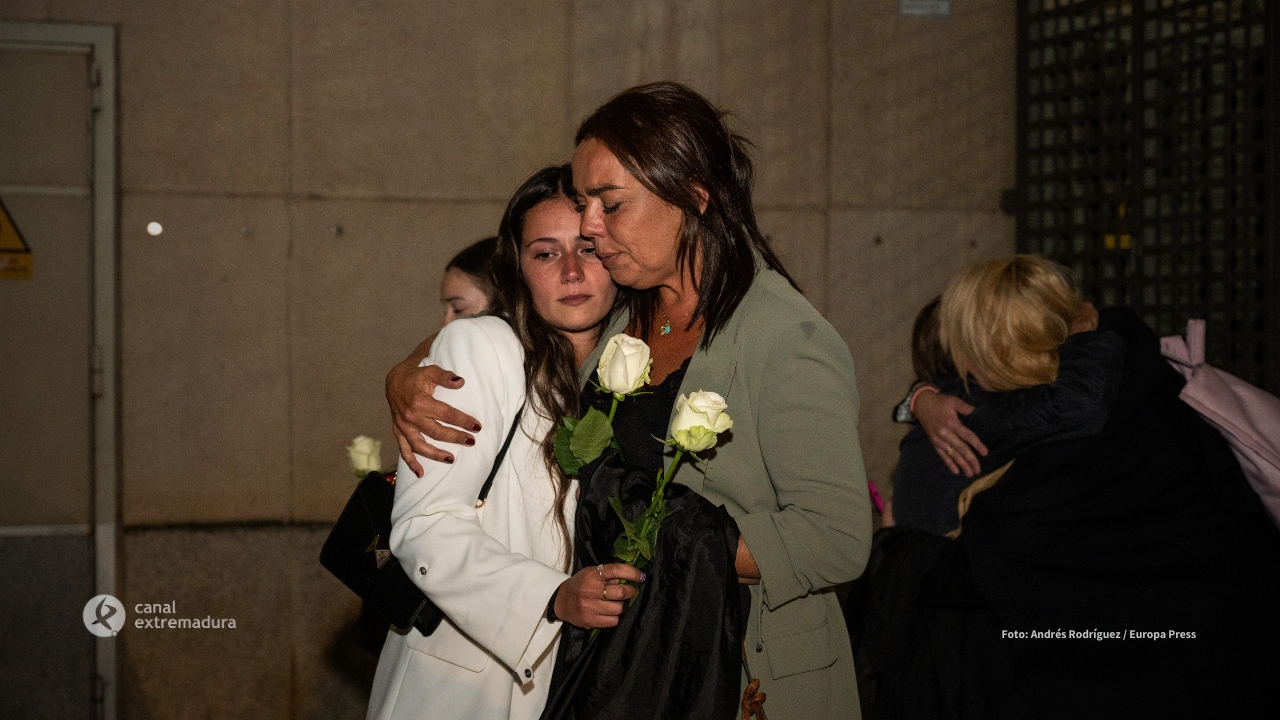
x=595, y=596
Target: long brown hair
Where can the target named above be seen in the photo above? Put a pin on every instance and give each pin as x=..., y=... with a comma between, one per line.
x=675, y=141
x=550, y=368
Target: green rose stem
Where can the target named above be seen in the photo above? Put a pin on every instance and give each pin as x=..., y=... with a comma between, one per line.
x=666, y=476
x=643, y=533
x=699, y=420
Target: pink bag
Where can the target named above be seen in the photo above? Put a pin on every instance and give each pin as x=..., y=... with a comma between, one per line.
x=1247, y=416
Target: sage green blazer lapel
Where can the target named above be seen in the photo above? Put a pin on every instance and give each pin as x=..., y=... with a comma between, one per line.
x=711, y=369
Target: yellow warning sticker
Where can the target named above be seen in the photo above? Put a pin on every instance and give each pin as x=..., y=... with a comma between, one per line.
x=15, y=254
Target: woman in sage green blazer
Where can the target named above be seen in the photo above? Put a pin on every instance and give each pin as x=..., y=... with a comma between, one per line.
x=791, y=476
x=664, y=191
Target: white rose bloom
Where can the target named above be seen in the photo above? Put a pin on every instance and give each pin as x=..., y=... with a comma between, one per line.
x=624, y=365
x=700, y=418
x=366, y=455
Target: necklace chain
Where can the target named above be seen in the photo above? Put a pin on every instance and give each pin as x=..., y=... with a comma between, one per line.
x=666, y=326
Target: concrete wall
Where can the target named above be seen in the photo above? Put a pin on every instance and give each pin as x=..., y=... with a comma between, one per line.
x=256, y=335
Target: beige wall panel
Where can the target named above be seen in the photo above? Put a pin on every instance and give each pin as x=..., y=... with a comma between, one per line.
x=205, y=360
x=438, y=100
x=44, y=128
x=774, y=81
x=335, y=650
x=800, y=239
x=361, y=302
x=922, y=109
x=764, y=62
x=203, y=92
x=45, y=427
x=85, y=11
x=244, y=673
x=24, y=10
x=297, y=650
x=621, y=43
x=877, y=289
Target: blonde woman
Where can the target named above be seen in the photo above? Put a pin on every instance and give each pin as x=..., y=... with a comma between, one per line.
x=926, y=484
x=1141, y=544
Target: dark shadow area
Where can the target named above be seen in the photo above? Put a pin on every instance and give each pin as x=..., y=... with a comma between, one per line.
x=353, y=651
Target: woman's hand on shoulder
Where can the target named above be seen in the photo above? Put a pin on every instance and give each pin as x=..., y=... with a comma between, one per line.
x=415, y=412
x=594, y=597
x=1086, y=319
x=957, y=445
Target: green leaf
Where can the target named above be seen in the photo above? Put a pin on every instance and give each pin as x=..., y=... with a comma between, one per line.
x=629, y=526
x=622, y=546
x=591, y=436
x=570, y=464
x=645, y=549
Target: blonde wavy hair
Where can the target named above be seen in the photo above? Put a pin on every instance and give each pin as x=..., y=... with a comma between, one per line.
x=1003, y=321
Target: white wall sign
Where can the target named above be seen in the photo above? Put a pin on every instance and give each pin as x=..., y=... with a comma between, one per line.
x=925, y=8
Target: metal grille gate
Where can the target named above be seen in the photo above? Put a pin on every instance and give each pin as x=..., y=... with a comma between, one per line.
x=1147, y=162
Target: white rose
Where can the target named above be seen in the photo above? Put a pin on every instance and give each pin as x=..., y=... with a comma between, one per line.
x=624, y=365
x=366, y=456
x=700, y=418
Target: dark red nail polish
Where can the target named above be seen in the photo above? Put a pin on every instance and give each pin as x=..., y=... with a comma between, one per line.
x=469, y=441
x=455, y=378
x=475, y=428
x=449, y=460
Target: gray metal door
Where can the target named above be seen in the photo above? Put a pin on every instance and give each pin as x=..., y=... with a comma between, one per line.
x=50, y=374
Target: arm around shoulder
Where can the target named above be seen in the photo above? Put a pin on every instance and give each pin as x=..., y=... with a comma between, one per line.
x=495, y=596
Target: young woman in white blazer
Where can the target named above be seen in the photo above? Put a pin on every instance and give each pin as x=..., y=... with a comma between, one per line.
x=499, y=571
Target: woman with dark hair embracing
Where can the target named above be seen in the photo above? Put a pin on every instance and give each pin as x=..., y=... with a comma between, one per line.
x=664, y=191
x=491, y=566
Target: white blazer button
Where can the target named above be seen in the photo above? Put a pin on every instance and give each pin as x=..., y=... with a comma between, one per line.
x=422, y=571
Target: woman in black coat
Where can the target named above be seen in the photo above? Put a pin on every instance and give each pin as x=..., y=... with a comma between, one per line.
x=1129, y=573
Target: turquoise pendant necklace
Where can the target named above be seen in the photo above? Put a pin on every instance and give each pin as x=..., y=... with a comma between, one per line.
x=665, y=328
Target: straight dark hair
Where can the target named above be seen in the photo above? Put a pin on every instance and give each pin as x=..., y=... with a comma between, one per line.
x=550, y=368
x=474, y=260
x=674, y=141
x=930, y=361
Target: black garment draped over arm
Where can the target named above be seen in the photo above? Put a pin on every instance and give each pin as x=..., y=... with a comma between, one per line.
x=1076, y=405
x=676, y=652
x=1146, y=527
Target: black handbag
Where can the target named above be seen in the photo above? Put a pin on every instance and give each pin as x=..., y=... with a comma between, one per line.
x=358, y=554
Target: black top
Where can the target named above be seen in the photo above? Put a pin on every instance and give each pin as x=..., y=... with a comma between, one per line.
x=640, y=423
x=676, y=652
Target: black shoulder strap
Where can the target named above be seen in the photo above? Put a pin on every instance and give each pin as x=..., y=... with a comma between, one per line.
x=497, y=462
